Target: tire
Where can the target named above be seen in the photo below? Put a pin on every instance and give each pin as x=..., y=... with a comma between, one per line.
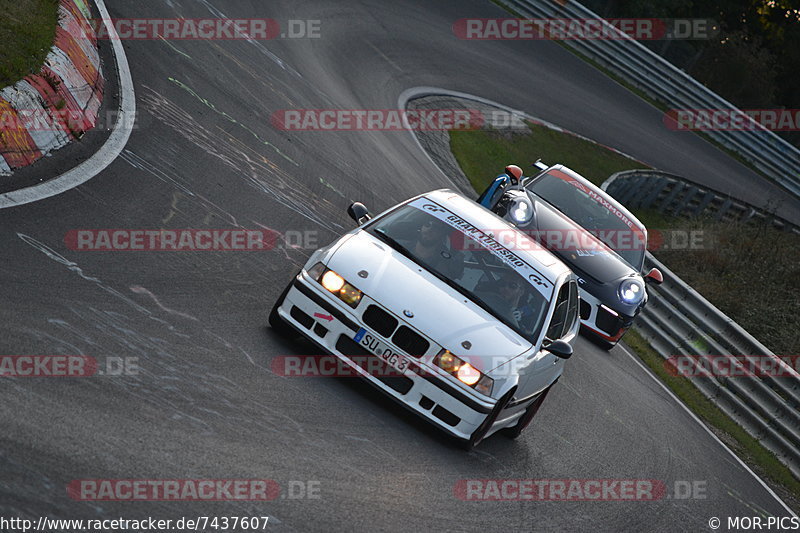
x=525, y=420
x=597, y=340
x=277, y=323
x=604, y=344
x=479, y=434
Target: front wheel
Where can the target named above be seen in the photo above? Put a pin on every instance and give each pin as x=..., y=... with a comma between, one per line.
x=479, y=434
x=525, y=420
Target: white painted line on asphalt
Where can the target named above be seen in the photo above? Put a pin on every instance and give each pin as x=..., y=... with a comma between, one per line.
x=108, y=152
x=697, y=419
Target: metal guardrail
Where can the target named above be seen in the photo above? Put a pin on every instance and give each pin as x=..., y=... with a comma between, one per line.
x=678, y=321
x=662, y=81
x=674, y=195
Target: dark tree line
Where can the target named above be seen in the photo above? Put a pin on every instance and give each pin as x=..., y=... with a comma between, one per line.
x=754, y=62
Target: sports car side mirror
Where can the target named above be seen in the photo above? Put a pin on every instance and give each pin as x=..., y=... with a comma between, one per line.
x=358, y=212
x=654, y=276
x=560, y=349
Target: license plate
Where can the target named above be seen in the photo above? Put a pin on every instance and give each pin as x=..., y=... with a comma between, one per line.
x=374, y=345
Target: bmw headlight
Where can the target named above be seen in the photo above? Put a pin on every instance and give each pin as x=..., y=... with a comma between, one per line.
x=631, y=291
x=465, y=372
x=520, y=210
x=335, y=284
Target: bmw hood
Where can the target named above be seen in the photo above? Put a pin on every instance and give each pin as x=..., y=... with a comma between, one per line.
x=438, y=311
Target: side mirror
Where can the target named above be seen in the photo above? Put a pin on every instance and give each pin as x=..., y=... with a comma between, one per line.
x=654, y=276
x=358, y=212
x=560, y=349
x=515, y=173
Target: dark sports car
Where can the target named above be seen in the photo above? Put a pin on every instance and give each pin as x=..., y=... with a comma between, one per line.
x=596, y=236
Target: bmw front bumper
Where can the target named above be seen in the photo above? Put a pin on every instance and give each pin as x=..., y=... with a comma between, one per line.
x=421, y=388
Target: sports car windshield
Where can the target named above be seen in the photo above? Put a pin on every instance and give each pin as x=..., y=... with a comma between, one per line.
x=591, y=211
x=468, y=266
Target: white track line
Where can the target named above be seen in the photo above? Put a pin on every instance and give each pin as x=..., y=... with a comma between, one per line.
x=697, y=419
x=108, y=152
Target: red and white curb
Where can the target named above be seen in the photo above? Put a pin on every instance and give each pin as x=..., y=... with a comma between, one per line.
x=34, y=112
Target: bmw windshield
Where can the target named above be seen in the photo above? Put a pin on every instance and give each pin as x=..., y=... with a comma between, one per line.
x=476, y=269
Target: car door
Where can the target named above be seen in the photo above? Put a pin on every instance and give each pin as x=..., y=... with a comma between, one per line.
x=545, y=367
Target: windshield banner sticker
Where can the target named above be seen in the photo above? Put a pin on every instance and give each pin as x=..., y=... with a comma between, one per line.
x=488, y=242
x=593, y=195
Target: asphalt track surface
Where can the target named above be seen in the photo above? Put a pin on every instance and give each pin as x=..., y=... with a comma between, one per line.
x=205, y=404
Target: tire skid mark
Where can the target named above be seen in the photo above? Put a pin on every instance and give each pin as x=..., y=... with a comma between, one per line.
x=141, y=290
x=63, y=324
x=74, y=267
x=211, y=208
x=258, y=44
x=114, y=331
x=140, y=163
x=331, y=187
x=163, y=377
x=176, y=49
x=230, y=119
x=232, y=58
x=256, y=170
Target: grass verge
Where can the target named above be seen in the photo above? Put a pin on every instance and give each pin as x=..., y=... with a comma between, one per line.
x=27, y=32
x=751, y=272
x=483, y=154
x=724, y=273
x=746, y=447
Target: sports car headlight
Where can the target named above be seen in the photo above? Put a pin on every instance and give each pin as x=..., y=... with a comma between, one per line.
x=335, y=284
x=631, y=291
x=521, y=211
x=465, y=372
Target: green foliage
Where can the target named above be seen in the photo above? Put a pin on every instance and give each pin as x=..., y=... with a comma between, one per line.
x=27, y=32
x=483, y=154
x=740, y=69
x=749, y=271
